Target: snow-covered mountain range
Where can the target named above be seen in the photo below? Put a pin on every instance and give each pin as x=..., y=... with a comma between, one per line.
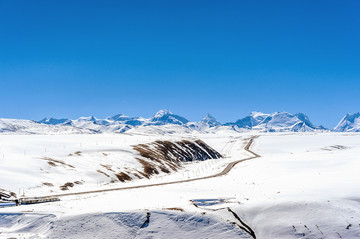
x=18, y=126
x=164, y=121
x=276, y=122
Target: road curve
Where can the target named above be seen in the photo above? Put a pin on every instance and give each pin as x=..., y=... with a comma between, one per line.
x=226, y=170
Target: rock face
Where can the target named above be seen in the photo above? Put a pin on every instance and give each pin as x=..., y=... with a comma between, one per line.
x=167, y=156
x=349, y=123
x=179, y=151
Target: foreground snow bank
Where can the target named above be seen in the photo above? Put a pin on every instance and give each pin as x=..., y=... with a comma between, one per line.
x=161, y=224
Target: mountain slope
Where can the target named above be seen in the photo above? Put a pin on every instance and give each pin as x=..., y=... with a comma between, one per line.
x=349, y=123
x=54, y=121
x=210, y=120
x=134, y=121
x=207, y=122
x=278, y=121
x=163, y=117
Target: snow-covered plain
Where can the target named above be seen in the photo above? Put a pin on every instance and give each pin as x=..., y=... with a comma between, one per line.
x=304, y=185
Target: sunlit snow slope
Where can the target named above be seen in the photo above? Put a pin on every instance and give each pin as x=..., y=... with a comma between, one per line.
x=304, y=185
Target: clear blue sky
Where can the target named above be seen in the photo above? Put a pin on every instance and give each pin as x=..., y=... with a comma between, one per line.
x=75, y=58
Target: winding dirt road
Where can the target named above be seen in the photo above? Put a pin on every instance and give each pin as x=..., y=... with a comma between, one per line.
x=226, y=170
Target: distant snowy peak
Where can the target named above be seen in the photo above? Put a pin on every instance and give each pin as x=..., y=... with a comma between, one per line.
x=119, y=117
x=89, y=118
x=164, y=117
x=161, y=113
x=259, y=115
x=210, y=120
x=54, y=121
x=278, y=121
x=349, y=123
x=254, y=119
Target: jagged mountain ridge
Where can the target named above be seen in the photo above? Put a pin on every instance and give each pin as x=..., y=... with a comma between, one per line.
x=164, y=121
x=349, y=123
x=278, y=121
x=18, y=126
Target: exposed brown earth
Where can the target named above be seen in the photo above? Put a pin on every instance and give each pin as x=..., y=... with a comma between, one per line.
x=48, y=184
x=223, y=172
x=123, y=177
x=177, y=152
x=54, y=162
x=99, y=171
x=148, y=168
x=168, y=156
x=162, y=156
x=108, y=167
x=174, y=209
x=66, y=186
x=78, y=153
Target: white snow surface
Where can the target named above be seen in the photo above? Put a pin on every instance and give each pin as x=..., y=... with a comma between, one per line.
x=304, y=185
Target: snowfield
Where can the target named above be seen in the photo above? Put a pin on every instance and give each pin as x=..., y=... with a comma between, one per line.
x=304, y=185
